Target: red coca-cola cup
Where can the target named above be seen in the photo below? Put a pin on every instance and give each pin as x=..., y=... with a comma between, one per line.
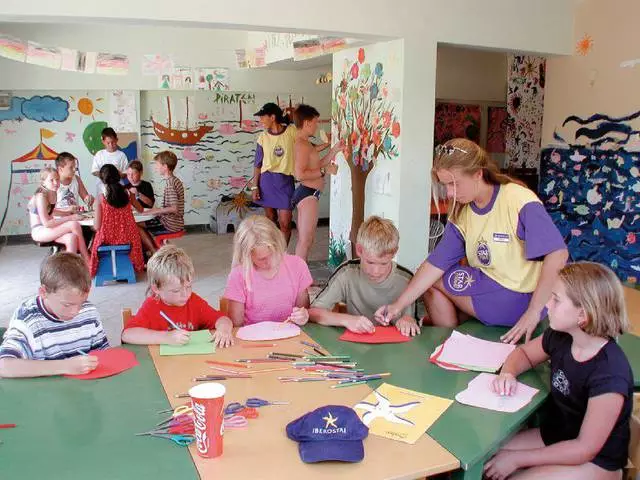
x=207, y=400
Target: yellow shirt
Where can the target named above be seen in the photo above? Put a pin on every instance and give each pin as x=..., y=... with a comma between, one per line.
x=277, y=151
x=492, y=243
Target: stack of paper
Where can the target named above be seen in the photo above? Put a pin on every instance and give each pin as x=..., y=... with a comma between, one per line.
x=479, y=393
x=471, y=353
x=199, y=344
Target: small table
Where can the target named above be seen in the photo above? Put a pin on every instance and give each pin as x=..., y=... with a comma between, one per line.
x=142, y=217
x=262, y=450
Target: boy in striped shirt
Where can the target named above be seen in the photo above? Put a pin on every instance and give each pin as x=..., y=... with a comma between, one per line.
x=50, y=333
x=170, y=217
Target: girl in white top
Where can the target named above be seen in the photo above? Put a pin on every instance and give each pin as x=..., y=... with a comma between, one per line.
x=46, y=228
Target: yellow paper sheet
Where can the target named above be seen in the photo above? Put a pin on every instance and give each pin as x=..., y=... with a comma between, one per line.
x=400, y=414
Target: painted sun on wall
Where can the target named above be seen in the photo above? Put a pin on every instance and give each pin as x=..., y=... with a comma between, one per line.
x=364, y=115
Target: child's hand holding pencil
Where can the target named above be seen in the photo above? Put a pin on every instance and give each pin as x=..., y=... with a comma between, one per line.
x=299, y=316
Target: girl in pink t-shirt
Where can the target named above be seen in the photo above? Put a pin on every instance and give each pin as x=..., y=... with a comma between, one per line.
x=266, y=283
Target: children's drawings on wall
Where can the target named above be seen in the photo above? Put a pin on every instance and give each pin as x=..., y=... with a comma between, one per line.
x=12, y=48
x=182, y=78
x=112, y=64
x=525, y=102
x=213, y=139
x=156, y=64
x=212, y=78
x=122, y=111
x=456, y=120
x=43, y=56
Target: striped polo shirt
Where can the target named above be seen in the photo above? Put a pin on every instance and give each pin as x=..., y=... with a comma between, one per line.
x=173, y=195
x=36, y=334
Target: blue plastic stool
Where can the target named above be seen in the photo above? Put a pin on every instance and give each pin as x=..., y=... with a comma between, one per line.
x=114, y=264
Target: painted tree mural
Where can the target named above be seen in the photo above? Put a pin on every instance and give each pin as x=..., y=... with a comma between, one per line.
x=363, y=115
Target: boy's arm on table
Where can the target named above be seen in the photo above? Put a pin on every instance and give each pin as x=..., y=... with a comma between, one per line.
x=23, y=368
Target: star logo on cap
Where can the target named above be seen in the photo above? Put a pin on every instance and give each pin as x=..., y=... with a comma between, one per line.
x=331, y=420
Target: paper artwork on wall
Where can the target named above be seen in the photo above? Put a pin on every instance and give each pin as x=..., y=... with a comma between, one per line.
x=212, y=78
x=182, y=78
x=43, y=56
x=122, y=110
x=156, y=64
x=12, y=48
x=112, y=64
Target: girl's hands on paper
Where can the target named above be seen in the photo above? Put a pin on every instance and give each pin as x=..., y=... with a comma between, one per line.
x=223, y=334
x=299, y=316
x=505, y=384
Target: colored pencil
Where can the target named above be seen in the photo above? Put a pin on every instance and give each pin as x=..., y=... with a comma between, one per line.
x=227, y=364
x=84, y=354
x=181, y=395
x=8, y=425
x=309, y=344
x=350, y=384
x=169, y=321
x=207, y=378
x=263, y=360
x=258, y=345
x=293, y=355
x=270, y=370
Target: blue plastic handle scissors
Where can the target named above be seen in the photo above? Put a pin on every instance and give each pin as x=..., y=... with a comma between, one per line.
x=254, y=402
x=233, y=408
x=182, y=440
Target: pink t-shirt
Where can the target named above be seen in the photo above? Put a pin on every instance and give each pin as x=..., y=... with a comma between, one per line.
x=269, y=299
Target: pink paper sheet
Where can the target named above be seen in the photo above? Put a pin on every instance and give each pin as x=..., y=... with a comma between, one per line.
x=111, y=361
x=268, y=331
x=474, y=353
x=381, y=335
x=480, y=394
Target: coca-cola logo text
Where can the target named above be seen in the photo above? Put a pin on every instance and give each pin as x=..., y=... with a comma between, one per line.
x=202, y=439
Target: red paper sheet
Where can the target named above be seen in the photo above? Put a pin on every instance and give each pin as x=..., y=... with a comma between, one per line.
x=110, y=362
x=381, y=335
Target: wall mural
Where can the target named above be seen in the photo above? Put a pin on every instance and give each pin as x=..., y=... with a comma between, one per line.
x=35, y=128
x=456, y=120
x=214, y=136
x=365, y=113
x=525, y=105
x=592, y=191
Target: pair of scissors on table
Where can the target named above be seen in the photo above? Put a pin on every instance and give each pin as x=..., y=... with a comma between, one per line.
x=236, y=408
x=252, y=402
x=235, y=421
x=178, y=439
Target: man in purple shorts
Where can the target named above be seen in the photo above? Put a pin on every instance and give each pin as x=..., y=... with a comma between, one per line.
x=273, y=181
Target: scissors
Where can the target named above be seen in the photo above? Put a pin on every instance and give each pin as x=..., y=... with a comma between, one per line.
x=235, y=421
x=182, y=440
x=237, y=408
x=254, y=402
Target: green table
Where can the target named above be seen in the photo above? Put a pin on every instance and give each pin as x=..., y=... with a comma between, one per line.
x=630, y=344
x=78, y=429
x=469, y=433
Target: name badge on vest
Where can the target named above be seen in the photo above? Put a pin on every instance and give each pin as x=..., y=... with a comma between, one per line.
x=501, y=237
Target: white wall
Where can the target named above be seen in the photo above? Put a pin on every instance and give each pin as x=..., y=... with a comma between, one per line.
x=471, y=74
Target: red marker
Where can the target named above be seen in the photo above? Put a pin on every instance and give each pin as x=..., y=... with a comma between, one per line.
x=7, y=425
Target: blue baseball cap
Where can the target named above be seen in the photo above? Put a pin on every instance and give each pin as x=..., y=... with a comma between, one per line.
x=332, y=432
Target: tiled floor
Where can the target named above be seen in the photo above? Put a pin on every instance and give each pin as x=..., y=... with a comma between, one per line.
x=211, y=254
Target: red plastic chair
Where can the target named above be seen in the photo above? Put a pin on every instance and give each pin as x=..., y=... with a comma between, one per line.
x=164, y=238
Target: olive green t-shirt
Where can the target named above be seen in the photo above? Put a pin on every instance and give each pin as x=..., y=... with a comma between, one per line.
x=349, y=285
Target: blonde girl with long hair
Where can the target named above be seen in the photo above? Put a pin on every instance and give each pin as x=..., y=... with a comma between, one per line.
x=45, y=227
x=513, y=250
x=266, y=283
x=585, y=433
